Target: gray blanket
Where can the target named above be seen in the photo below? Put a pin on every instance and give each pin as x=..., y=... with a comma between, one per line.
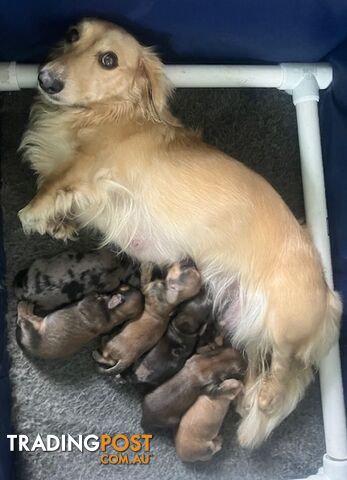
x=258, y=128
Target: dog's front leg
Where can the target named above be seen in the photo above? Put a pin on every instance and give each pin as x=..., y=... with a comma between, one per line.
x=51, y=209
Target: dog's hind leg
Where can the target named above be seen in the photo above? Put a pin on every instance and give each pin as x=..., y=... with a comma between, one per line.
x=272, y=395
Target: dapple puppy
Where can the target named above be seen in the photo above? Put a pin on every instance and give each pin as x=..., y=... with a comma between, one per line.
x=203, y=372
x=178, y=344
x=52, y=282
x=117, y=353
x=66, y=331
x=198, y=437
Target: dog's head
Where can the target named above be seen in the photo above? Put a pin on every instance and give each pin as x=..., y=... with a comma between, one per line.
x=100, y=63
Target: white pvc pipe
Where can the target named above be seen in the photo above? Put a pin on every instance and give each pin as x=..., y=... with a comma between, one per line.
x=15, y=77
x=211, y=76
x=316, y=216
x=27, y=75
x=285, y=76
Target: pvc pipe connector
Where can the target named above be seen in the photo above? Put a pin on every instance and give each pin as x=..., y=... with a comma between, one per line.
x=331, y=470
x=334, y=469
x=294, y=74
x=307, y=90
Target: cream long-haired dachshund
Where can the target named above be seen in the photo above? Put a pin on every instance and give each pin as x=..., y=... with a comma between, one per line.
x=109, y=155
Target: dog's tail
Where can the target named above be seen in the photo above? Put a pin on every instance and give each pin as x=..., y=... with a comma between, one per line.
x=328, y=334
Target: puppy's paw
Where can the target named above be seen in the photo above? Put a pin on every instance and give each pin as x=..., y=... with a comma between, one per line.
x=116, y=369
x=217, y=444
x=107, y=366
x=24, y=310
x=62, y=230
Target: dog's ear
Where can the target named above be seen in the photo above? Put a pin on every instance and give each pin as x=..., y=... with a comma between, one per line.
x=155, y=87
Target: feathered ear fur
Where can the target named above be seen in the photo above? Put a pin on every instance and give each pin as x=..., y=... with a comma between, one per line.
x=154, y=86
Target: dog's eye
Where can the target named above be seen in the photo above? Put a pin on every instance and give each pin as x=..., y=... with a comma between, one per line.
x=72, y=35
x=108, y=60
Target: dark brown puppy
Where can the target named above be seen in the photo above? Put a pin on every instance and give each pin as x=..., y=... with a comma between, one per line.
x=173, y=349
x=65, y=331
x=203, y=372
x=117, y=353
x=198, y=437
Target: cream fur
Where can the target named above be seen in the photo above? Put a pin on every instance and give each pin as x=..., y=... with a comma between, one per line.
x=110, y=155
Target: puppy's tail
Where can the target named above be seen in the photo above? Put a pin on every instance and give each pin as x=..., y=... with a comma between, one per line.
x=257, y=425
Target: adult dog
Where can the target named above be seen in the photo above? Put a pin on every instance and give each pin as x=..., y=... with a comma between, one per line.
x=109, y=154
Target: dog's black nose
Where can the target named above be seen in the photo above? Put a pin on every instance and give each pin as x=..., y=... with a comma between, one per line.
x=49, y=82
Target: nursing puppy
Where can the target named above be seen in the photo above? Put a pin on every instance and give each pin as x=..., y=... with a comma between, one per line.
x=198, y=437
x=109, y=154
x=165, y=406
x=161, y=296
x=179, y=342
x=66, y=331
x=52, y=282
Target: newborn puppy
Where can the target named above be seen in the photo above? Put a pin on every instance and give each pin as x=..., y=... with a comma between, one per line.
x=117, y=353
x=52, y=282
x=197, y=437
x=203, y=372
x=65, y=331
x=170, y=353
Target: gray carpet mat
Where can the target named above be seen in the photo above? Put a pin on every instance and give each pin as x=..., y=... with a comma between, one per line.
x=60, y=397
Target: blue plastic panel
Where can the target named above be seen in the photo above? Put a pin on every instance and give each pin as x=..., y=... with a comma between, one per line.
x=189, y=30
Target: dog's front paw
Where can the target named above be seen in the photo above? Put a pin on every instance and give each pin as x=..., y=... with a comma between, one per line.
x=32, y=220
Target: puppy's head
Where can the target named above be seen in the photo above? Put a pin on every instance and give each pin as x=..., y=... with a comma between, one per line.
x=193, y=316
x=183, y=281
x=100, y=63
x=155, y=295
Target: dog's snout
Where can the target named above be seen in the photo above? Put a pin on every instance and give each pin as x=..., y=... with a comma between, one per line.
x=49, y=82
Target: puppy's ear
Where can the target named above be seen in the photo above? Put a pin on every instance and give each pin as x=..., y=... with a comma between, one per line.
x=115, y=300
x=154, y=86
